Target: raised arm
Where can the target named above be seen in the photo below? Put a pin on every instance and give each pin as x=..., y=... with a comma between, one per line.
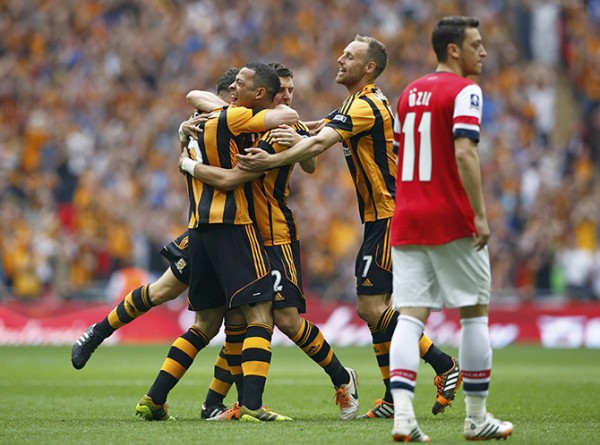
x=204, y=100
x=258, y=160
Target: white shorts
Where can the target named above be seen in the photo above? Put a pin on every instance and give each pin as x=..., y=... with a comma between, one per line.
x=451, y=275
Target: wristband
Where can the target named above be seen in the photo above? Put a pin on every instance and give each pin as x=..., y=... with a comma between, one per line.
x=182, y=135
x=188, y=165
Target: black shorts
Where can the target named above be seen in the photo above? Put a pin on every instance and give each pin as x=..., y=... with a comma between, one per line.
x=177, y=254
x=228, y=267
x=287, y=276
x=373, y=268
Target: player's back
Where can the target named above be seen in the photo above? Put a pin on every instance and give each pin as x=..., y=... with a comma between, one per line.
x=431, y=112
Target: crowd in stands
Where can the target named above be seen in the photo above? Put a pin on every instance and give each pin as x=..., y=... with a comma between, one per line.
x=92, y=94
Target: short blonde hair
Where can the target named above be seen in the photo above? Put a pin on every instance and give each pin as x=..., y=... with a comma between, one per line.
x=375, y=52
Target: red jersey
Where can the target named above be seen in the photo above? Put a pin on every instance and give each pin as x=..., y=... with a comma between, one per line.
x=432, y=206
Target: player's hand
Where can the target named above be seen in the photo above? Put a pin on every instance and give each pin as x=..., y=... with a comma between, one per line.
x=182, y=156
x=193, y=126
x=256, y=160
x=315, y=126
x=285, y=135
x=481, y=238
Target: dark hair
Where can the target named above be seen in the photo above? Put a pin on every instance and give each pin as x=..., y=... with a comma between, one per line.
x=375, y=52
x=450, y=30
x=281, y=70
x=226, y=79
x=265, y=77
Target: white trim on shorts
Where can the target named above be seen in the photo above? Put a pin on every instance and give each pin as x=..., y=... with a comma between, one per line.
x=433, y=276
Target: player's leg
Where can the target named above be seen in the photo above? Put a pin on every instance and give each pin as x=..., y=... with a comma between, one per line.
x=135, y=304
x=475, y=356
x=207, y=298
x=256, y=359
x=381, y=319
x=288, y=304
x=465, y=282
x=310, y=339
x=415, y=292
x=373, y=271
x=241, y=265
x=219, y=386
x=180, y=357
x=404, y=365
x=228, y=371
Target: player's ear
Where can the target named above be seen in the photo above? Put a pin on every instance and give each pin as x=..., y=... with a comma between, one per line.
x=261, y=92
x=453, y=51
x=370, y=68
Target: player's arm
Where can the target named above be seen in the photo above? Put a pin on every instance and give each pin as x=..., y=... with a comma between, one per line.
x=204, y=100
x=287, y=136
x=467, y=160
x=220, y=178
x=257, y=159
x=315, y=126
x=309, y=166
x=280, y=115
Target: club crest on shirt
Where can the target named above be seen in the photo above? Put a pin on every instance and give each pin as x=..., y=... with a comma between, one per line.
x=474, y=101
x=180, y=265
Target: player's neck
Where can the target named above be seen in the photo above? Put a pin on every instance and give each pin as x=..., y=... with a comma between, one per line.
x=353, y=89
x=449, y=68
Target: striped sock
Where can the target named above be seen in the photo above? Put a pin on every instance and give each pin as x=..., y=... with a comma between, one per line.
x=136, y=303
x=180, y=357
x=311, y=340
x=256, y=359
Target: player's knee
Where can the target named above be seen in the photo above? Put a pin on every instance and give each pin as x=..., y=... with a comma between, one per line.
x=210, y=327
x=287, y=322
x=161, y=292
x=368, y=313
x=159, y=297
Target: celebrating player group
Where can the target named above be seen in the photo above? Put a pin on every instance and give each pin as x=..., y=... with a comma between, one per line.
x=418, y=183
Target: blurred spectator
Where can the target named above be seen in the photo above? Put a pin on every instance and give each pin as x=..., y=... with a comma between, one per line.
x=92, y=93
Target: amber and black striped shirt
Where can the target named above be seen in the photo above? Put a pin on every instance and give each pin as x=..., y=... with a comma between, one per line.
x=274, y=219
x=225, y=134
x=365, y=123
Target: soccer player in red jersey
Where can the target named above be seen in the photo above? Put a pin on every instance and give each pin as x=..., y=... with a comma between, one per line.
x=440, y=229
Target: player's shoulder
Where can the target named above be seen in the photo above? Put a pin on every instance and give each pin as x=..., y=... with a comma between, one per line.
x=370, y=91
x=442, y=79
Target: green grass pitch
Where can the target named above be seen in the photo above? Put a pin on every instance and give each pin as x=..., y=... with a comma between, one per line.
x=551, y=395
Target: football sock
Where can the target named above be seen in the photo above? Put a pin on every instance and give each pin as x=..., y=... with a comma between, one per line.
x=382, y=336
x=475, y=358
x=256, y=358
x=311, y=340
x=230, y=357
x=430, y=353
x=403, y=402
x=136, y=303
x=180, y=357
x=404, y=357
x=221, y=381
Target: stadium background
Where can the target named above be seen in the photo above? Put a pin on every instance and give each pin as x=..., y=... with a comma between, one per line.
x=92, y=93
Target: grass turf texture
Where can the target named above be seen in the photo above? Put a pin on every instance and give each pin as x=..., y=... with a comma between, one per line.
x=550, y=396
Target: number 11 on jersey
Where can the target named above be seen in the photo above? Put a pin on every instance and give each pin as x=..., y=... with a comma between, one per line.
x=409, y=152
